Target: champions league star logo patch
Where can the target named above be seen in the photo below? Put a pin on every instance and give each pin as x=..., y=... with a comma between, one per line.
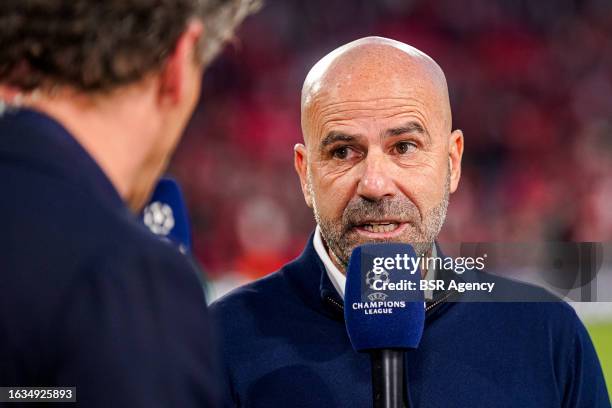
x=373, y=277
x=159, y=218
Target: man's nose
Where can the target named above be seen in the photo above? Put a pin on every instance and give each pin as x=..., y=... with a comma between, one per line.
x=376, y=182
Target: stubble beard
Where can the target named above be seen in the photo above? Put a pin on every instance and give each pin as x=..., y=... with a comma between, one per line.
x=341, y=238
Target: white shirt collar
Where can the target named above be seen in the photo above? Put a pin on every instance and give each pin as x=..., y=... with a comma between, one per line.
x=338, y=279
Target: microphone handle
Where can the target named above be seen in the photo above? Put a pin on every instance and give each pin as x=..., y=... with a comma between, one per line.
x=388, y=379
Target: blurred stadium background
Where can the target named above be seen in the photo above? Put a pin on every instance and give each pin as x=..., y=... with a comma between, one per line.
x=531, y=87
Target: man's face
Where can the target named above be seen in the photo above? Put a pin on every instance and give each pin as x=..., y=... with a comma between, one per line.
x=177, y=89
x=180, y=84
x=378, y=169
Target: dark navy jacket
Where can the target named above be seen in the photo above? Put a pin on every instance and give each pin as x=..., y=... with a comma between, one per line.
x=89, y=297
x=285, y=345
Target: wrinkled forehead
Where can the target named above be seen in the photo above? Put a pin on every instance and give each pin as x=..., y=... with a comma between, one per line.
x=374, y=76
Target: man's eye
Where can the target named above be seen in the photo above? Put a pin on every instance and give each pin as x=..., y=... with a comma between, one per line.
x=341, y=152
x=405, y=147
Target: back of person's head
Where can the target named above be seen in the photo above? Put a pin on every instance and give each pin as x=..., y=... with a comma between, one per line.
x=123, y=76
x=93, y=45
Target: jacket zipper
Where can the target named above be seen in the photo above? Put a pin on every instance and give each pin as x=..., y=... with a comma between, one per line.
x=330, y=299
x=439, y=300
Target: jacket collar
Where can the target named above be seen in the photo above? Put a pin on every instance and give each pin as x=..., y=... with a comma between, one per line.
x=36, y=140
x=308, y=276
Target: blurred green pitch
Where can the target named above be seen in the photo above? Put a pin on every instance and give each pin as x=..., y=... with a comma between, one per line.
x=601, y=334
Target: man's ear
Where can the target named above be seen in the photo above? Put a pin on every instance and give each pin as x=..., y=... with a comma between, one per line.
x=455, y=153
x=300, y=161
x=8, y=94
x=180, y=65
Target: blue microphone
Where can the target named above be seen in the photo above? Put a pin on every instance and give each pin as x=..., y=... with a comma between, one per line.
x=166, y=215
x=384, y=313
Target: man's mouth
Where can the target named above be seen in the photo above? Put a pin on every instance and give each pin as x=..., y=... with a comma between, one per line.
x=381, y=229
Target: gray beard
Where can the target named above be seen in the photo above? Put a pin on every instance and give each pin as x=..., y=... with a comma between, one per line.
x=424, y=230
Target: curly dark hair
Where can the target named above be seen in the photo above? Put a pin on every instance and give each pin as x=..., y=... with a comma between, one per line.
x=98, y=45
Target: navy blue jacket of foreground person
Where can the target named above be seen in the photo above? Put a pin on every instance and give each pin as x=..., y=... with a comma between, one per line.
x=89, y=297
x=285, y=345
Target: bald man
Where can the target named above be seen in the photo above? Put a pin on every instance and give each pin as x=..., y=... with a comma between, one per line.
x=378, y=164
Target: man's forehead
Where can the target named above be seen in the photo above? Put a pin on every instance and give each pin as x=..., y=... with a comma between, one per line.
x=369, y=62
x=373, y=72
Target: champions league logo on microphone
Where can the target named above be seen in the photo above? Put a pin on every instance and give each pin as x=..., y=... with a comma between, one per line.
x=377, y=301
x=159, y=217
x=377, y=313
x=166, y=215
x=377, y=296
x=373, y=278
x=388, y=278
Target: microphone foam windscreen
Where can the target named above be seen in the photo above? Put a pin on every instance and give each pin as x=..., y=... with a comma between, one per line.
x=383, y=303
x=166, y=214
